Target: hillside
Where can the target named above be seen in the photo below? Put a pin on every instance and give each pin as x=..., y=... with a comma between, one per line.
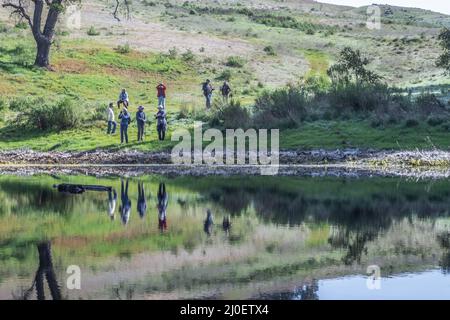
x=270, y=44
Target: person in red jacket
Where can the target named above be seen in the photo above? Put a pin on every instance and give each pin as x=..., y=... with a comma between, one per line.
x=161, y=89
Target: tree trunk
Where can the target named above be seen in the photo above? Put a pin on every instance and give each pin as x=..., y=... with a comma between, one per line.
x=42, y=54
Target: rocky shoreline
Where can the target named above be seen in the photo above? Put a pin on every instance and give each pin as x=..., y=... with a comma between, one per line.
x=316, y=163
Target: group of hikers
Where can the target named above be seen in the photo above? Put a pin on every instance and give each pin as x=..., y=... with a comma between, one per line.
x=141, y=117
x=163, y=200
x=160, y=116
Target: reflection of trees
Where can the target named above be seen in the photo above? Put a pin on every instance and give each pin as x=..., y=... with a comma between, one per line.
x=45, y=270
x=34, y=197
x=357, y=220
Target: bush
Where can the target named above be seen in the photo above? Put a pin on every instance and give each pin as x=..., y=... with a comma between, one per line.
x=188, y=56
x=435, y=121
x=92, y=31
x=22, y=25
x=410, y=123
x=230, y=116
x=270, y=51
x=282, y=108
x=235, y=62
x=3, y=28
x=225, y=75
x=125, y=49
x=60, y=115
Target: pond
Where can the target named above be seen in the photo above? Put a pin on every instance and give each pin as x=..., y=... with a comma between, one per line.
x=157, y=237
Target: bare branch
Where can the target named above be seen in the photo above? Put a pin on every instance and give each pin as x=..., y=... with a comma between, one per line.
x=19, y=9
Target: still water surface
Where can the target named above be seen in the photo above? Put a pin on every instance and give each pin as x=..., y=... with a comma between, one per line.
x=225, y=238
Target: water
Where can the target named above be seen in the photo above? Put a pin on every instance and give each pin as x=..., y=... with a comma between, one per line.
x=224, y=238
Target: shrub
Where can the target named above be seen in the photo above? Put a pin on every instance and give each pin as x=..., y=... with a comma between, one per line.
x=22, y=25
x=230, y=116
x=280, y=108
x=429, y=103
x=225, y=75
x=3, y=28
x=60, y=115
x=270, y=51
x=235, y=62
x=410, y=123
x=188, y=56
x=123, y=49
x=92, y=31
x=435, y=121
x=173, y=53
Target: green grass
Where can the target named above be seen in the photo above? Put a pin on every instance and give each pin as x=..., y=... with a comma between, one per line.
x=359, y=134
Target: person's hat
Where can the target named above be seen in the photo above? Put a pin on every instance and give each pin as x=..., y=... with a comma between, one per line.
x=141, y=108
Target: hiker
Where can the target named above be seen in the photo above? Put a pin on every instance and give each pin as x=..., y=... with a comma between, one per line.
x=112, y=124
x=142, y=203
x=141, y=119
x=161, y=89
x=112, y=198
x=125, y=120
x=125, y=207
x=123, y=99
x=225, y=89
x=162, y=207
x=162, y=123
x=208, y=224
x=207, y=92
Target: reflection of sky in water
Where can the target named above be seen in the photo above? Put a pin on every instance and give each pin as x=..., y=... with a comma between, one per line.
x=429, y=285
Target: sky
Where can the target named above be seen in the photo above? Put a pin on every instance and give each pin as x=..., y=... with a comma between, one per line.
x=442, y=6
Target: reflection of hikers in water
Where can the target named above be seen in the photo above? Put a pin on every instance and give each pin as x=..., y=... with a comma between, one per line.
x=45, y=269
x=226, y=224
x=112, y=199
x=208, y=224
x=142, y=202
x=162, y=207
x=125, y=207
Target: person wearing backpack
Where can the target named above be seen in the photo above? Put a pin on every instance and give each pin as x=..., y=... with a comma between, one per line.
x=225, y=89
x=207, y=92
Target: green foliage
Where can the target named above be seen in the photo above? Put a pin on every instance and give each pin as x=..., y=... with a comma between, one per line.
x=45, y=115
x=352, y=67
x=270, y=51
x=282, y=108
x=444, y=60
x=92, y=31
x=230, y=115
x=123, y=49
x=22, y=25
x=225, y=75
x=188, y=56
x=235, y=62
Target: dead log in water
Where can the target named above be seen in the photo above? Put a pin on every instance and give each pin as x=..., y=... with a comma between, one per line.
x=78, y=188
